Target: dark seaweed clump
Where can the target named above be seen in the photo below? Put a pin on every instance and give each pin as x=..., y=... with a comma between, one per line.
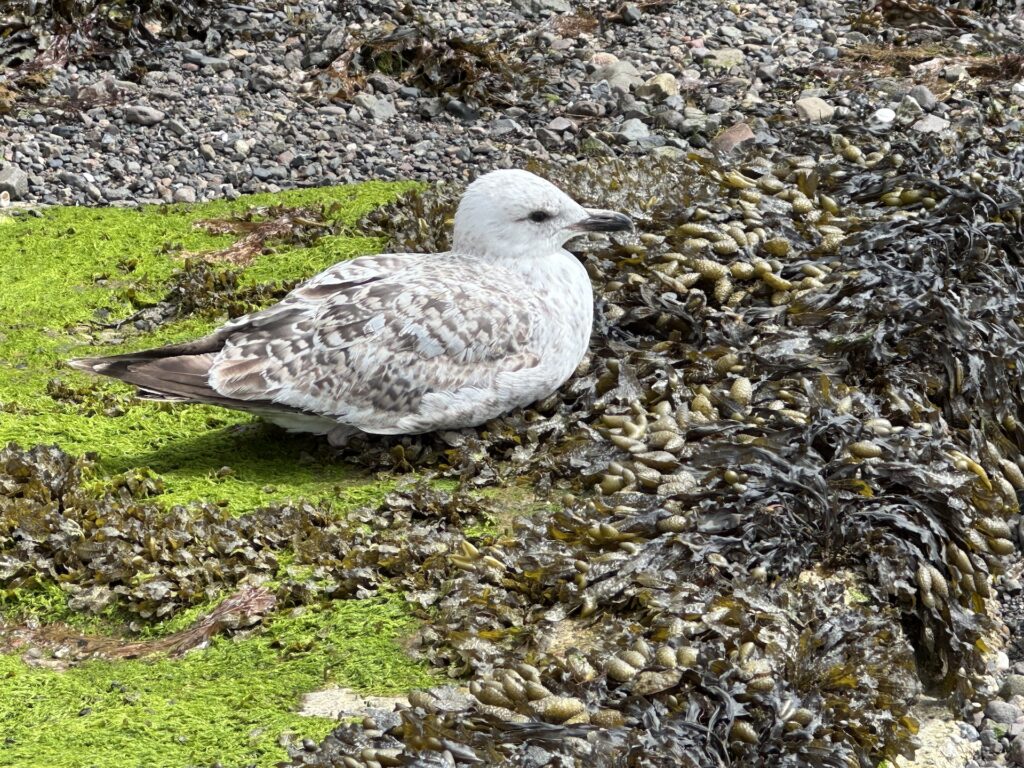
x=426, y=55
x=840, y=407
x=39, y=36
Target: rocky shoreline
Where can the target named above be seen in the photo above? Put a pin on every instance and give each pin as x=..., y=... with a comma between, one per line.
x=277, y=95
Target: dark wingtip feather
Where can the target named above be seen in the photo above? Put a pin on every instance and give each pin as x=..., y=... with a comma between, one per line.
x=159, y=374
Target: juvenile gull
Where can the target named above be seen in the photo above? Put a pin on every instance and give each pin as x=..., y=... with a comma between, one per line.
x=402, y=343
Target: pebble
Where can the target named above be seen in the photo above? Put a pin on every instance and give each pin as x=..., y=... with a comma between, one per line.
x=931, y=124
x=812, y=109
x=379, y=109
x=561, y=124
x=1013, y=685
x=142, y=114
x=185, y=194
x=631, y=14
x=883, y=116
x=632, y=130
x=461, y=110
x=14, y=182
x=660, y=87
x=923, y=96
x=1001, y=712
x=732, y=137
x=725, y=58
x=1015, y=754
x=621, y=76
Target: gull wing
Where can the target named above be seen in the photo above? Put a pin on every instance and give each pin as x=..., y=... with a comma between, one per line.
x=373, y=341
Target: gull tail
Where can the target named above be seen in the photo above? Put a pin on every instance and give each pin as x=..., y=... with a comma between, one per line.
x=172, y=376
x=177, y=373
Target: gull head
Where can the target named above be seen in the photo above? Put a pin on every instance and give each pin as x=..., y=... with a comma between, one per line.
x=513, y=214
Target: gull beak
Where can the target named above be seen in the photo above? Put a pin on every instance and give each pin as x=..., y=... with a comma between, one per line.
x=603, y=221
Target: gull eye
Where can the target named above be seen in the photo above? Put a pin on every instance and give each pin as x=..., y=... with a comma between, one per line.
x=539, y=216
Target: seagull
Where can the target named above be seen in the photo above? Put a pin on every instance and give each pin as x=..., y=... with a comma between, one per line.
x=405, y=343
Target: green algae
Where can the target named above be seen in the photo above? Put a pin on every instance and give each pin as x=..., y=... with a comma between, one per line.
x=45, y=603
x=232, y=701
x=229, y=703
x=58, y=271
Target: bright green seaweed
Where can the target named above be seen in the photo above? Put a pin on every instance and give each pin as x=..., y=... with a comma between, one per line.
x=231, y=702
x=58, y=270
x=228, y=703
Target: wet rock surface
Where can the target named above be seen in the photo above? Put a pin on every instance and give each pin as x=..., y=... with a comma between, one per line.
x=783, y=487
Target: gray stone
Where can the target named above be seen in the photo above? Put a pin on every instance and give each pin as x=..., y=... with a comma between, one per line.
x=1001, y=712
x=383, y=83
x=924, y=97
x=931, y=124
x=715, y=104
x=724, y=58
x=968, y=731
x=1013, y=685
x=101, y=90
x=13, y=181
x=542, y=6
x=265, y=173
x=814, y=110
x=431, y=107
x=594, y=147
x=620, y=75
x=114, y=194
x=176, y=127
x=909, y=108
x=955, y=73
x=504, y=126
x=140, y=114
x=549, y=139
x=661, y=86
x=632, y=130
x=378, y=109
x=631, y=14
x=1015, y=754
x=184, y=195
x=668, y=118
x=215, y=63
x=461, y=110
x=561, y=124
x=668, y=153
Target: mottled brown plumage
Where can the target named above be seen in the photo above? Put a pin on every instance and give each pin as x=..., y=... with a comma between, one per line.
x=401, y=343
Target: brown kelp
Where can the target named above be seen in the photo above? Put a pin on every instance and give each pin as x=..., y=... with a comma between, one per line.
x=800, y=405
x=776, y=492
